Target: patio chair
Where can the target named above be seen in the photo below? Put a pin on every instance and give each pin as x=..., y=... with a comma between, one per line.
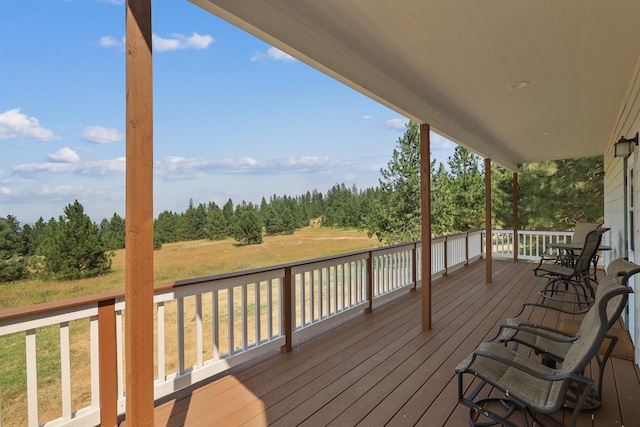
x=552, y=344
x=535, y=390
x=576, y=276
x=561, y=256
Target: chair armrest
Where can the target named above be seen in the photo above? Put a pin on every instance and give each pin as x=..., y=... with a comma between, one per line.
x=551, y=376
x=537, y=330
x=550, y=307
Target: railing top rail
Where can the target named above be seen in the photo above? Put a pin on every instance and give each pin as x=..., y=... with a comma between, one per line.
x=69, y=303
x=548, y=232
x=454, y=235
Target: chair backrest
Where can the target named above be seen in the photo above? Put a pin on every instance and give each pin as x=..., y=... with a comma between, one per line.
x=581, y=230
x=624, y=268
x=603, y=288
x=612, y=299
x=588, y=251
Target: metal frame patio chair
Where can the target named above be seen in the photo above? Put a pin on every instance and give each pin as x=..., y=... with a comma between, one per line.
x=580, y=232
x=552, y=344
x=577, y=277
x=531, y=388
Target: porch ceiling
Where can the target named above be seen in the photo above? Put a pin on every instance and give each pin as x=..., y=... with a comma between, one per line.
x=450, y=64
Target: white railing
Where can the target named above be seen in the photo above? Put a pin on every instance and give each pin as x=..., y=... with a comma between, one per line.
x=205, y=326
x=55, y=324
x=328, y=288
x=531, y=244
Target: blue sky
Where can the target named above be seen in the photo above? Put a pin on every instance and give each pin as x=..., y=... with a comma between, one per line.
x=233, y=116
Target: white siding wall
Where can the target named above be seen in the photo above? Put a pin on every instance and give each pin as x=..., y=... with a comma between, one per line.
x=627, y=125
x=613, y=208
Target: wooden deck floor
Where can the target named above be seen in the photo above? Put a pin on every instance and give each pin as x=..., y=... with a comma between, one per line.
x=382, y=369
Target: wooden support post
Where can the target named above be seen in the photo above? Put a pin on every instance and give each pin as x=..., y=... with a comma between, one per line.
x=488, y=226
x=108, y=364
x=287, y=310
x=516, y=243
x=425, y=195
x=139, y=215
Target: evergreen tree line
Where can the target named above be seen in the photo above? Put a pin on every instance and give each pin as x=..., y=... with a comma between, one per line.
x=71, y=247
x=553, y=195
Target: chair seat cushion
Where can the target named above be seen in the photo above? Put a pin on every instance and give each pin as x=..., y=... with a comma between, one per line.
x=557, y=269
x=514, y=382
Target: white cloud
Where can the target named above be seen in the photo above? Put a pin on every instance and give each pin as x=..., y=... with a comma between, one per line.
x=94, y=168
x=64, y=155
x=58, y=190
x=177, y=168
x=101, y=135
x=179, y=41
x=272, y=54
x=181, y=168
x=367, y=117
x=115, y=2
x=5, y=191
x=110, y=41
x=171, y=168
x=14, y=124
x=32, y=170
x=439, y=142
x=396, y=123
x=106, y=167
x=161, y=44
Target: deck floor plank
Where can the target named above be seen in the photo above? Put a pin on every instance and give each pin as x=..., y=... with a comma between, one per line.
x=426, y=391
x=431, y=365
x=380, y=368
x=628, y=389
x=434, y=346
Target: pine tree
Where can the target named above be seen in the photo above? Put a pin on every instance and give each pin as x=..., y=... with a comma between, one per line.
x=33, y=236
x=395, y=215
x=555, y=195
x=442, y=207
x=502, y=197
x=74, y=248
x=194, y=222
x=247, y=228
x=13, y=265
x=113, y=232
x=467, y=190
x=229, y=213
x=166, y=227
x=216, y=224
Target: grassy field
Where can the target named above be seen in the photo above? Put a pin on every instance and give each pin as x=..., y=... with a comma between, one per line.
x=173, y=262
x=185, y=260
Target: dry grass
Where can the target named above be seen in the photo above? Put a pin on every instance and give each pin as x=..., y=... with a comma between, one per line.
x=175, y=261
x=199, y=258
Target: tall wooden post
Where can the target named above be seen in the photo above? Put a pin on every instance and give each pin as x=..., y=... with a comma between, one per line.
x=139, y=215
x=488, y=226
x=425, y=195
x=516, y=242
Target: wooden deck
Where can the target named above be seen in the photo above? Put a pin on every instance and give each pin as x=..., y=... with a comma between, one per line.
x=382, y=369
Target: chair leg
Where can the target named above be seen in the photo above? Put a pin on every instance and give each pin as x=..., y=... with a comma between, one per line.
x=477, y=406
x=594, y=401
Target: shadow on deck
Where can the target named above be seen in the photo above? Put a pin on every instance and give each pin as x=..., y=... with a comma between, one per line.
x=382, y=369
